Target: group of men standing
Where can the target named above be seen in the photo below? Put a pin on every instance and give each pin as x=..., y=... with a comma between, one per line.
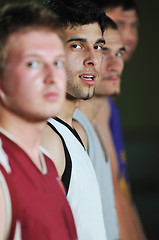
x=60, y=175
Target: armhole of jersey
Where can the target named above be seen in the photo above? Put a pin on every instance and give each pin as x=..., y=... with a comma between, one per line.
x=73, y=130
x=66, y=176
x=8, y=204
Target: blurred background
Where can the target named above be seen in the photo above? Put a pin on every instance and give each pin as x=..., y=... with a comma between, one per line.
x=138, y=105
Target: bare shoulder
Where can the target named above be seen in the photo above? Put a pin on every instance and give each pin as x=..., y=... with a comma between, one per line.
x=52, y=143
x=48, y=133
x=3, y=213
x=81, y=133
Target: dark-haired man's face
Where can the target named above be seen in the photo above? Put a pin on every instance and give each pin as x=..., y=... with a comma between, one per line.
x=83, y=59
x=127, y=22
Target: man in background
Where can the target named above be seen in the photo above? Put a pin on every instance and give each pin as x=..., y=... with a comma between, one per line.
x=90, y=133
x=125, y=14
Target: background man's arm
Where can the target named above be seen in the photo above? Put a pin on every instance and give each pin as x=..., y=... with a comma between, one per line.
x=129, y=222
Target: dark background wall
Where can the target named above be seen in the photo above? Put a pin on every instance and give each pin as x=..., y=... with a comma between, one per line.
x=138, y=106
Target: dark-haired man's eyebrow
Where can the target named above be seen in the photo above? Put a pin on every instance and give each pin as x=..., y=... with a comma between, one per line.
x=76, y=39
x=100, y=40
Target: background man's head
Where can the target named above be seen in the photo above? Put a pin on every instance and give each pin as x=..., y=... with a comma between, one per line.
x=84, y=25
x=112, y=63
x=125, y=14
x=32, y=74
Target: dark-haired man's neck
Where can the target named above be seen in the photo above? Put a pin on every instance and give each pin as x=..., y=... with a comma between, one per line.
x=68, y=109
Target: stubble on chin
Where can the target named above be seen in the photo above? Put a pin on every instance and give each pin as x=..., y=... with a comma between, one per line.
x=90, y=94
x=75, y=92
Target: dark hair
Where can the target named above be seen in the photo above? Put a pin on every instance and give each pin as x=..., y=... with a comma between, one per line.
x=15, y=18
x=109, y=23
x=76, y=12
x=125, y=4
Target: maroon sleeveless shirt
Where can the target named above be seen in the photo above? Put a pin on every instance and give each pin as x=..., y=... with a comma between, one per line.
x=38, y=202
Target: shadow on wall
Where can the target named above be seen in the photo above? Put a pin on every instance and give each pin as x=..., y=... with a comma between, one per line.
x=143, y=166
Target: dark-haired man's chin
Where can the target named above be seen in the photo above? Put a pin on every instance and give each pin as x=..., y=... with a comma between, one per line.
x=70, y=97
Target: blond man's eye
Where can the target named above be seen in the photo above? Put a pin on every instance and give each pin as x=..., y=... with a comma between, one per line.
x=33, y=64
x=59, y=63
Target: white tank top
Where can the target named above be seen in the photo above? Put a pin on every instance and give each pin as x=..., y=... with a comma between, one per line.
x=83, y=192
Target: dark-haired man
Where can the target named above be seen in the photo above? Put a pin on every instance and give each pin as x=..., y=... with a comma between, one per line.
x=82, y=23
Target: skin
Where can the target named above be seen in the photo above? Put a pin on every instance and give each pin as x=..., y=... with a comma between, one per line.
x=83, y=57
x=83, y=54
x=112, y=64
x=97, y=110
x=109, y=78
x=127, y=22
x=44, y=70
x=129, y=222
x=3, y=211
x=37, y=70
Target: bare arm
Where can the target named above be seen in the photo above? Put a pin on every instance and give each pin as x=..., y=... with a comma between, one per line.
x=129, y=222
x=53, y=145
x=3, y=212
